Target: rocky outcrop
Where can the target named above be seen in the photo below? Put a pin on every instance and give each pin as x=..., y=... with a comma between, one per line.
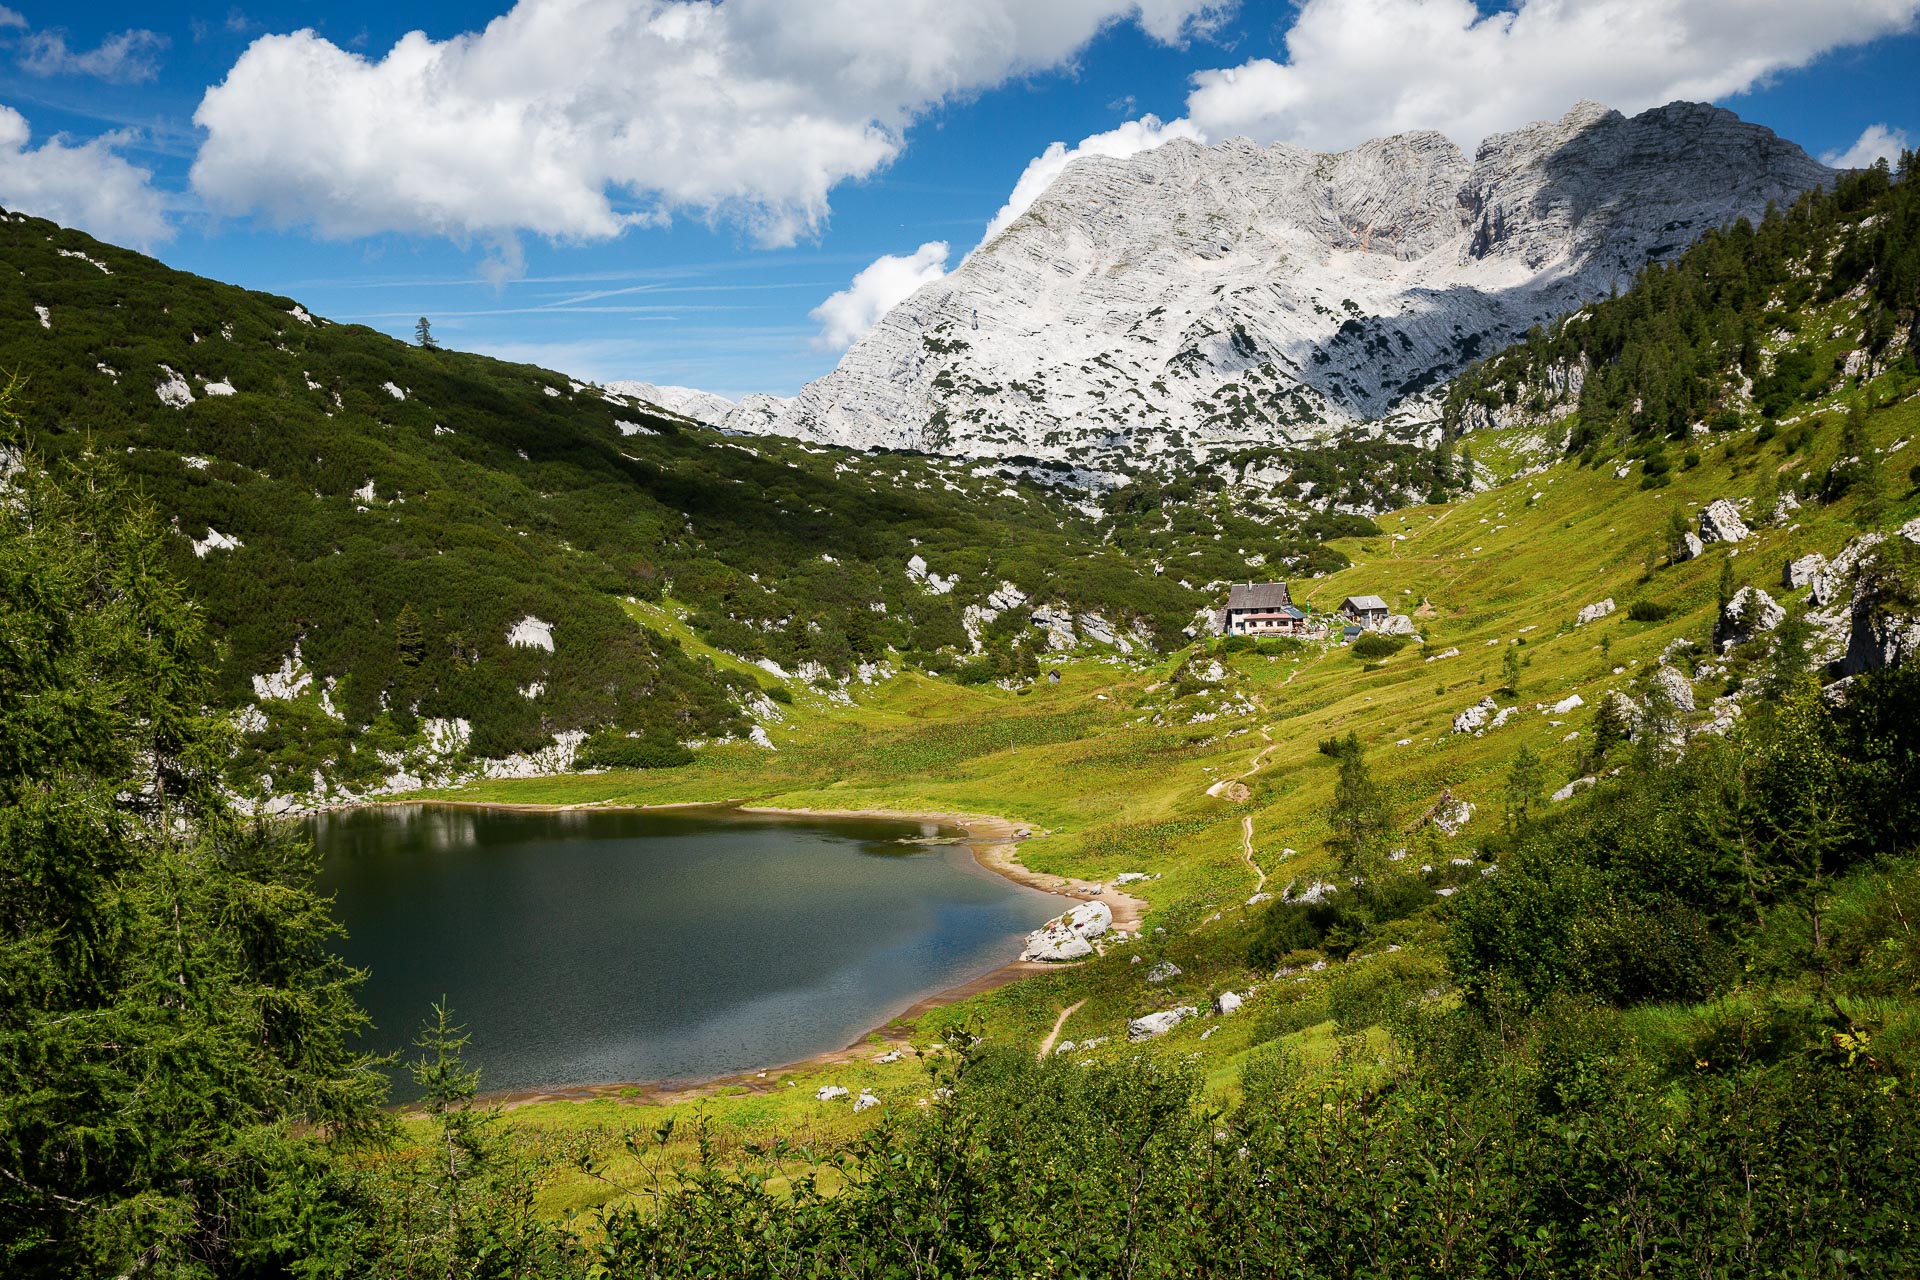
x=1475, y=716
x=1750, y=612
x=1885, y=630
x=1195, y=298
x=1801, y=573
x=1691, y=548
x=1593, y=612
x=1673, y=685
x=1721, y=522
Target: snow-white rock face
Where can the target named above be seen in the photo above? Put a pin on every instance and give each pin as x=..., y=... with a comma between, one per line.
x=95, y=263
x=394, y=390
x=46, y=317
x=1201, y=298
x=531, y=633
x=750, y=415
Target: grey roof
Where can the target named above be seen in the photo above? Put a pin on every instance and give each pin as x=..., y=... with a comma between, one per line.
x=1258, y=595
x=1368, y=603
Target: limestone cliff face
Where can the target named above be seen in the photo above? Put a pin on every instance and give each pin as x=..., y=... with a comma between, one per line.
x=1191, y=298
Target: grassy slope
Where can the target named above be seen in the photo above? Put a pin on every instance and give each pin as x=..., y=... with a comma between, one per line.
x=1513, y=563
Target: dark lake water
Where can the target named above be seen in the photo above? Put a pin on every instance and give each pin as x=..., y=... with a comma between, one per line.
x=599, y=946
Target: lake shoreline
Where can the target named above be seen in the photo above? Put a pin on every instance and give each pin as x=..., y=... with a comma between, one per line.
x=994, y=844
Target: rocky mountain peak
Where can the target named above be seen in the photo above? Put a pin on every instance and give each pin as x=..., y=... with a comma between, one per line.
x=1149, y=310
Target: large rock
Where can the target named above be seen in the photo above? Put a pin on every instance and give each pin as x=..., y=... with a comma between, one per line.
x=1674, y=685
x=1158, y=1024
x=1886, y=618
x=1593, y=612
x=1069, y=936
x=1398, y=624
x=1750, y=612
x=1691, y=548
x=1165, y=971
x=1721, y=522
x=1801, y=573
x=1227, y=1002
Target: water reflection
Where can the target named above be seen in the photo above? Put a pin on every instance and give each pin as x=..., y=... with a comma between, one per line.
x=596, y=945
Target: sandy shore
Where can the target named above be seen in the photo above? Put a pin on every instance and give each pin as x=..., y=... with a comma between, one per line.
x=995, y=844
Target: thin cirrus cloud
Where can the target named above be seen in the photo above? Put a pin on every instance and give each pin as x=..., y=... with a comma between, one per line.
x=577, y=119
x=1360, y=69
x=128, y=57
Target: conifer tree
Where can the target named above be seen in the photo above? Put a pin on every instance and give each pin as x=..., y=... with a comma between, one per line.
x=1361, y=819
x=175, y=1034
x=423, y=334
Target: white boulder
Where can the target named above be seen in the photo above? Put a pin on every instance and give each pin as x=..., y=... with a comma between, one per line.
x=1165, y=971
x=1153, y=1025
x=1593, y=612
x=830, y=1092
x=865, y=1102
x=1227, y=1002
x=1800, y=573
x=1069, y=936
x=1721, y=522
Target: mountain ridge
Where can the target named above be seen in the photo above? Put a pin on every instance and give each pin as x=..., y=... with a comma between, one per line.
x=1190, y=299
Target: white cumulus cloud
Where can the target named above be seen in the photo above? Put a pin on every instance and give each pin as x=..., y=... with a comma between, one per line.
x=1360, y=69
x=1129, y=139
x=888, y=279
x=88, y=185
x=1876, y=142
x=575, y=119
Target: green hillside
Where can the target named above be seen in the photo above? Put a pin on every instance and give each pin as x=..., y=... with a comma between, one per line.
x=1621, y=985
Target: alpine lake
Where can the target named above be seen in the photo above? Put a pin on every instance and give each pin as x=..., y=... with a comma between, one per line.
x=598, y=946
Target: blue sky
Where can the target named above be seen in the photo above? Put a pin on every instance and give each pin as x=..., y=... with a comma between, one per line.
x=659, y=190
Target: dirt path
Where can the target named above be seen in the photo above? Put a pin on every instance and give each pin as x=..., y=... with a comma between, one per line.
x=1046, y=1046
x=1246, y=850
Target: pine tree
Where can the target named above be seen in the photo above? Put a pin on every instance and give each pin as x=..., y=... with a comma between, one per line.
x=1510, y=670
x=409, y=637
x=1526, y=781
x=175, y=1035
x=1361, y=819
x=423, y=334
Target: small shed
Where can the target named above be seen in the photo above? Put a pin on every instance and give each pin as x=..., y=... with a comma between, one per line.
x=1366, y=611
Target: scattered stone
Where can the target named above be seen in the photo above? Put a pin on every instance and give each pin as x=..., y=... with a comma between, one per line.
x=1163, y=972
x=1474, y=716
x=891, y=1055
x=1783, y=508
x=1567, y=704
x=1593, y=612
x=829, y=1093
x=1721, y=522
x=865, y=1102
